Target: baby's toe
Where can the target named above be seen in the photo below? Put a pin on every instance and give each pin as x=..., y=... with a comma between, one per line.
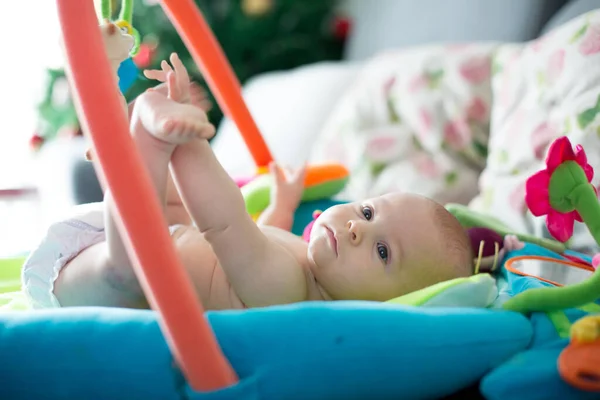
x=169, y=125
x=207, y=131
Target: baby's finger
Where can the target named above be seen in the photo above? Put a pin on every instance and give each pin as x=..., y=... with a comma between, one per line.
x=197, y=88
x=180, y=70
x=300, y=174
x=277, y=172
x=205, y=105
x=155, y=74
x=174, y=92
x=166, y=67
x=197, y=91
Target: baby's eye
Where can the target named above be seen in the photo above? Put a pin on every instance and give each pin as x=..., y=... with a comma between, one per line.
x=382, y=251
x=367, y=212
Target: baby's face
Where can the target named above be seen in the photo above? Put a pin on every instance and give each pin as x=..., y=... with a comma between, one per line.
x=372, y=250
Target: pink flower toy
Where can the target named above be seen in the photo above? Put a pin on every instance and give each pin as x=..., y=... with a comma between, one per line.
x=564, y=194
x=566, y=184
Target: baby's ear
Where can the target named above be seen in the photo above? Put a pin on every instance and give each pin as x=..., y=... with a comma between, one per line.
x=88, y=154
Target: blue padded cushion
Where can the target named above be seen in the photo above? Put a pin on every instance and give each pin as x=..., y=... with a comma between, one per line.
x=333, y=350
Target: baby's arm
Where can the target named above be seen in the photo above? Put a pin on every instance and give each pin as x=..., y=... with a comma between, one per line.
x=261, y=271
x=285, y=198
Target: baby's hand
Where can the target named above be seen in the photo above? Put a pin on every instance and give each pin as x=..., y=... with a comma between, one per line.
x=178, y=78
x=288, y=188
x=198, y=96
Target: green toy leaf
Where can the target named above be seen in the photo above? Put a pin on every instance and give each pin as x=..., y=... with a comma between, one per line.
x=257, y=193
x=472, y=219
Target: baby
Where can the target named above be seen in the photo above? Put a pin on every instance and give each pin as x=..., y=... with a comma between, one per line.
x=375, y=250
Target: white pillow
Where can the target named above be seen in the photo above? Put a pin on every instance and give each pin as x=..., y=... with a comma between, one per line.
x=289, y=108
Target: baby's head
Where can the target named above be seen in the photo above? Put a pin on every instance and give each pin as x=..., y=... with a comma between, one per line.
x=386, y=247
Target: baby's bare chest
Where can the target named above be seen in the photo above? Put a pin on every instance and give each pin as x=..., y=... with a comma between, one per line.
x=209, y=279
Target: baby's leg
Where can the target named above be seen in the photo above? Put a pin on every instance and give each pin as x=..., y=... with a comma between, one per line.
x=102, y=274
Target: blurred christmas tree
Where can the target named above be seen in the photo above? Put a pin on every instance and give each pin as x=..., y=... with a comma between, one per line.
x=256, y=35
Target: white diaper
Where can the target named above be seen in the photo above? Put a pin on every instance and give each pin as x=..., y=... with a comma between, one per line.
x=63, y=241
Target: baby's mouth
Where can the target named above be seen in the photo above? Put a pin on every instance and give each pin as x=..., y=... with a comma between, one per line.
x=332, y=240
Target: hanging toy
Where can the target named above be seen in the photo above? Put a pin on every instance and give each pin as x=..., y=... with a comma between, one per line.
x=128, y=71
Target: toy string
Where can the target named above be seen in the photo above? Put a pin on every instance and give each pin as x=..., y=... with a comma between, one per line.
x=106, y=9
x=126, y=11
x=577, y=194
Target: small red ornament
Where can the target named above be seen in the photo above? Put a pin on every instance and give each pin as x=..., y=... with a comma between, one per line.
x=144, y=57
x=341, y=27
x=36, y=141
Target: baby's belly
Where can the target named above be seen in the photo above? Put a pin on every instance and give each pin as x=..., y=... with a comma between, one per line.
x=209, y=279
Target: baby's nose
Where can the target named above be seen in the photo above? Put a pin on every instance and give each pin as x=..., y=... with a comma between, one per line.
x=354, y=232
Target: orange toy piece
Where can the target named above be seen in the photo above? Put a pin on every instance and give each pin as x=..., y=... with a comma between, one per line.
x=579, y=365
x=322, y=181
x=321, y=173
x=140, y=219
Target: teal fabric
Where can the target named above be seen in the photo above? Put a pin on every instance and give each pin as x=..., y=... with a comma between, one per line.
x=332, y=350
x=128, y=73
x=534, y=374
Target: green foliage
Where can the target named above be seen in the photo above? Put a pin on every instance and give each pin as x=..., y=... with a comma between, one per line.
x=289, y=34
x=284, y=35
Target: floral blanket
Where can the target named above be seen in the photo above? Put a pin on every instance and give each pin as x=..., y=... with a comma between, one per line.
x=469, y=123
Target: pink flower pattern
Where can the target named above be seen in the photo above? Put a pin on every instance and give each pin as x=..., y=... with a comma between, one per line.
x=539, y=44
x=556, y=64
x=417, y=83
x=426, y=120
x=590, y=44
x=426, y=166
x=381, y=148
x=457, y=134
x=541, y=137
x=477, y=110
x=516, y=199
x=476, y=70
x=387, y=86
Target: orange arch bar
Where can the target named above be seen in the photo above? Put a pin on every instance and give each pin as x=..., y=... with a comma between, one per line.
x=139, y=215
x=217, y=71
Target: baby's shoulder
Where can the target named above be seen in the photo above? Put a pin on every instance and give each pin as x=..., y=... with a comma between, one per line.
x=293, y=243
x=278, y=234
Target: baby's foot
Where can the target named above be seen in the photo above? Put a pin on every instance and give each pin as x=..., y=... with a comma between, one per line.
x=172, y=122
x=587, y=329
